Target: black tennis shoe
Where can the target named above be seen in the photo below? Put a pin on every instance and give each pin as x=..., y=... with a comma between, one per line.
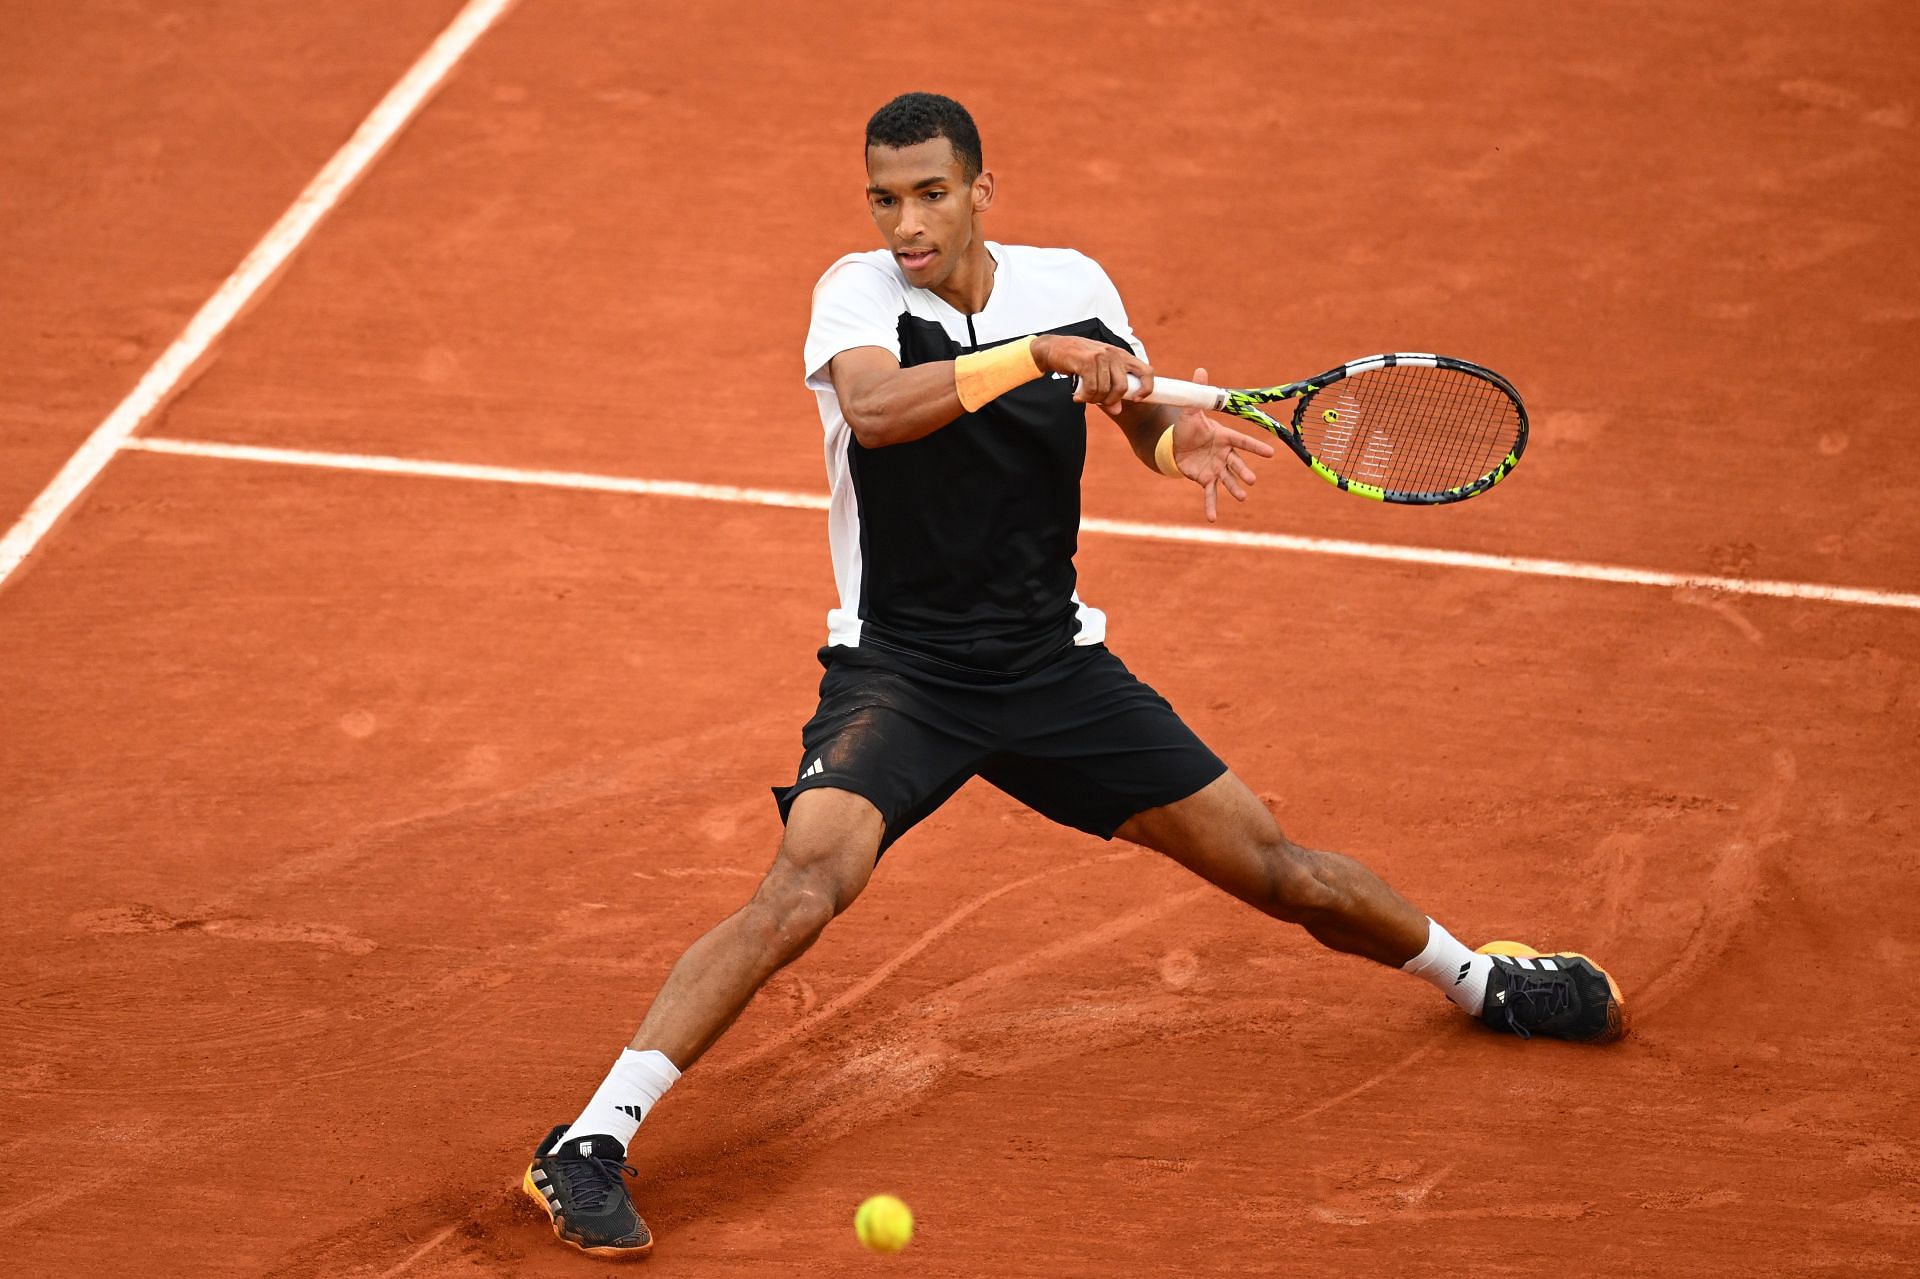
x=1563, y=995
x=582, y=1185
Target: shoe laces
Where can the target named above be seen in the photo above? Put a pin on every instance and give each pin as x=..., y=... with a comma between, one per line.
x=591, y=1179
x=1538, y=998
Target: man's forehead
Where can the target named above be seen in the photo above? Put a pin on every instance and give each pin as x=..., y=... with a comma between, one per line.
x=909, y=166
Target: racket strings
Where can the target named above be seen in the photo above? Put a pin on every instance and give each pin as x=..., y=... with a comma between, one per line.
x=1410, y=429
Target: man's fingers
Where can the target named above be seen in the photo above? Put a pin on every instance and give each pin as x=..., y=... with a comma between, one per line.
x=1213, y=512
x=1233, y=486
x=1103, y=389
x=1103, y=378
x=1239, y=467
x=1092, y=384
x=1142, y=370
x=1095, y=381
x=1247, y=443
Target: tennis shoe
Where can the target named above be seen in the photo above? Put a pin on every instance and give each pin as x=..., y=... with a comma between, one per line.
x=582, y=1185
x=1563, y=995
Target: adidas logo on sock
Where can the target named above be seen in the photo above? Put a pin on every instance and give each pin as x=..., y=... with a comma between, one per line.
x=1464, y=970
x=635, y=1111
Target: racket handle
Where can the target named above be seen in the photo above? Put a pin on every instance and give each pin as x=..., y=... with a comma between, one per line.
x=1171, y=390
x=1186, y=395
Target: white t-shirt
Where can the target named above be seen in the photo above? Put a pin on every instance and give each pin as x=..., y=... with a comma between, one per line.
x=957, y=548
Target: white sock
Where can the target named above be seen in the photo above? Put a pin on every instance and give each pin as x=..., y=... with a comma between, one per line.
x=1457, y=972
x=636, y=1082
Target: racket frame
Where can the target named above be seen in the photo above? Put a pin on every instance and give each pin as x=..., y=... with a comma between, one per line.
x=1249, y=404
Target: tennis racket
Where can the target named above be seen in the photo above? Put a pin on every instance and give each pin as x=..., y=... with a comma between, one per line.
x=1411, y=428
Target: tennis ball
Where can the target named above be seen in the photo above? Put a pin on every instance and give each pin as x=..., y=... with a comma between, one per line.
x=884, y=1224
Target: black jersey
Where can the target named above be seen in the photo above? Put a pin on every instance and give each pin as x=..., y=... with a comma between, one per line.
x=956, y=549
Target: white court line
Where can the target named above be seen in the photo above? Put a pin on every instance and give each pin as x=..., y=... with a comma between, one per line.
x=475, y=471
x=326, y=190
x=1571, y=569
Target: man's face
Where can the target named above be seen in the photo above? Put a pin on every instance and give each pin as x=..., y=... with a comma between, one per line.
x=924, y=207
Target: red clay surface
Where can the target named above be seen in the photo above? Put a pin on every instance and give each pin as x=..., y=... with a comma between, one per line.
x=147, y=148
x=349, y=821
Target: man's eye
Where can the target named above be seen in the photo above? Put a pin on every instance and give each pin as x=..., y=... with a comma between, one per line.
x=935, y=195
x=884, y=201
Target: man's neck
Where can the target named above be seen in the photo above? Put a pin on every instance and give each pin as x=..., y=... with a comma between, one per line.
x=971, y=283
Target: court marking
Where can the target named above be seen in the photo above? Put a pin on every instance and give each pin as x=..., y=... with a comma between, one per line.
x=860, y=989
x=1573, y=570
x=159, y=383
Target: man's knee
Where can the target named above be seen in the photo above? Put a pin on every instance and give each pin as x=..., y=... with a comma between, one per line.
x=793, y=906
x=823, y=864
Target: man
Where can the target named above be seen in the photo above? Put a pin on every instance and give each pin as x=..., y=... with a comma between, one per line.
x=951, y=375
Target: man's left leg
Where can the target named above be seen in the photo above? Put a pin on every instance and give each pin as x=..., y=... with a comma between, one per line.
x=1224, y=834
x=1092, y=747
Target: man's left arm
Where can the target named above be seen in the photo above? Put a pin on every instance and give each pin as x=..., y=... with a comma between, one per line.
x=1143, y=425
x=1187, y=443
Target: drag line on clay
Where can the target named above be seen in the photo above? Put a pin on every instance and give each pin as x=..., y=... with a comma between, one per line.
x=1379, y=1076
x=238, y=291
x=890, y=966
x=420, y=1252
x=1525, y=566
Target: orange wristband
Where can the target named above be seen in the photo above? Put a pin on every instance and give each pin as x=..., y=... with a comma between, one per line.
x=985, y=376
x=1163, y=455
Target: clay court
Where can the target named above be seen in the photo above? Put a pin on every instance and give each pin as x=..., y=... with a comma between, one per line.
x=360, y=776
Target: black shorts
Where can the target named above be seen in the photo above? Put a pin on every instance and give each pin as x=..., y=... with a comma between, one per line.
x=1078, y=740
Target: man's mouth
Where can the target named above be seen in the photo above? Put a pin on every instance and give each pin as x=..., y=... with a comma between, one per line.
x=914, y=259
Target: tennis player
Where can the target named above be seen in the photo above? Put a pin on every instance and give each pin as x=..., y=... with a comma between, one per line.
x=951, y=374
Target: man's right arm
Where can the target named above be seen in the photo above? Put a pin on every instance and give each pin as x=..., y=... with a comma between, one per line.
x=885, y=404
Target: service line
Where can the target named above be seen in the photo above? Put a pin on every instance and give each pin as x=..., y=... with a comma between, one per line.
x=1571, y=569
x=328, y=188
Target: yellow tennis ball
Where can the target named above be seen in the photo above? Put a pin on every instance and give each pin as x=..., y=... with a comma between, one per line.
x=884, y=1224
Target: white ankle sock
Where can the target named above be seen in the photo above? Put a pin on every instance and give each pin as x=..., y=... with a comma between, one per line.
x=631, y=1088
x=1455, y=971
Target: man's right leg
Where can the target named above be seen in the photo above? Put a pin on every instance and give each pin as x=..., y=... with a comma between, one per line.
x=832, y=841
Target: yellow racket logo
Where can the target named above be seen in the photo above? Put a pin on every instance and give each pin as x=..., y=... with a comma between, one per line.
x=1330, y=416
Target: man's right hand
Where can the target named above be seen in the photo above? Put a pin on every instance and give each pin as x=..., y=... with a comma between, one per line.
x=1101, y=368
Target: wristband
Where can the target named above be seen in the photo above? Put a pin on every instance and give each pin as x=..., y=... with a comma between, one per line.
x=984, y=376
x=1163, y=455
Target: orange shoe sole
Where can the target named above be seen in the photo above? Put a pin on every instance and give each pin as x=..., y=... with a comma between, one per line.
x=1524, y=951
x=606, y=1254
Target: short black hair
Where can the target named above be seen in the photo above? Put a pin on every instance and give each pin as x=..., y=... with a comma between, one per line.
x=913, y=118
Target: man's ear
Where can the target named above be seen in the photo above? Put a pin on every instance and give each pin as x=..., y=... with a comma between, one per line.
x=983, y=192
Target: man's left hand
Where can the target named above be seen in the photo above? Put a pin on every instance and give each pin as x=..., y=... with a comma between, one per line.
x=1209, y=454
